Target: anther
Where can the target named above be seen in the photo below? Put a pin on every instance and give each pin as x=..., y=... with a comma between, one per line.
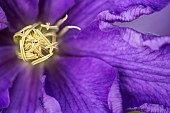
x=37, y=42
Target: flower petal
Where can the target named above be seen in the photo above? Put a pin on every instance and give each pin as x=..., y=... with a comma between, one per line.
x=128, y=10
x=20, y=12
x=52, y=10
x=25, y=91
x=114, y=98
x=81, y=85
x=6, y=38
x=143, y=60
x=8, y=70
x=48, y=104
x=7, y=53
x=151, y=108
x=4, y=99
x=85, y=11
x=146, y=23
x=3, y=22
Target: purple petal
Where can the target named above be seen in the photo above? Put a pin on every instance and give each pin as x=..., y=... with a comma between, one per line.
x=48, y=104
x=80, y=85
x=152, y=108
x=3, y=22
x=110, y=10
x=147, y=24
x=52, y=10
x=25, y=90
x=6, y=38
x=6, y=79
x=8, y=70
x=114, y=98
x=4, y=99
x=7, y=53
x=20, y=12
x=85, y=11
x=143, y=60
x=128, y=10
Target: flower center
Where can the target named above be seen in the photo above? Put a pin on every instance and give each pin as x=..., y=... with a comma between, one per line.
x=37, y=42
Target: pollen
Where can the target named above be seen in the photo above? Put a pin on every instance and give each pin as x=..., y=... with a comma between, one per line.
x=38, y=42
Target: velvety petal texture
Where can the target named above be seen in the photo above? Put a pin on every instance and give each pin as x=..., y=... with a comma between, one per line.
x=146, y=23
x=85, y=11
x=115, y=97
x=25, y=91
x=154, y=4
x=143, y=60
x=48, y=104
x=3, y=22
x=6, y=38
x=104, y=69
x=128, y=10
x=4, y=99
x=151, y=108
x=80, y=85
x=8, y=71
x=20, y=12
x=52, y=10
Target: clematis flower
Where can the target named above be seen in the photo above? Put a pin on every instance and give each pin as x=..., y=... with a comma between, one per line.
x=141, y=57
x=36, y=76
x=101, y=68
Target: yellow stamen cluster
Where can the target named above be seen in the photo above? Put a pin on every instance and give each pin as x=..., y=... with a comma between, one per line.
x=38, y=41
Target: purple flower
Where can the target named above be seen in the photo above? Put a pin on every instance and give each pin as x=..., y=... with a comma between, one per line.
x=101, y=69
x=142, y=60
x=57, y=82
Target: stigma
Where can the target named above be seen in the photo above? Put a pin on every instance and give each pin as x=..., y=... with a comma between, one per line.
x=38, y=42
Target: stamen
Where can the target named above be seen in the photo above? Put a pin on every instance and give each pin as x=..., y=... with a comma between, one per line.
x=37, y=42
x=65, y=29
x=60, y=22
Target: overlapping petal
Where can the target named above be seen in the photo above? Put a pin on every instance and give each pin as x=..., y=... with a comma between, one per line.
x=25, y=91
x=115, y=97
x=143, y=60
x=3, y=22
x=156, y=23
x=8, y=71
x=52, y=10
x=6, y=38
x=20, y=12
x=47, y=104
x=128, y=10
x=85, y=11
x=151, y=108
x=80, y=85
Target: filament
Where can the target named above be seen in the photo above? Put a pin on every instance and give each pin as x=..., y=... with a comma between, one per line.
x=37, y=42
